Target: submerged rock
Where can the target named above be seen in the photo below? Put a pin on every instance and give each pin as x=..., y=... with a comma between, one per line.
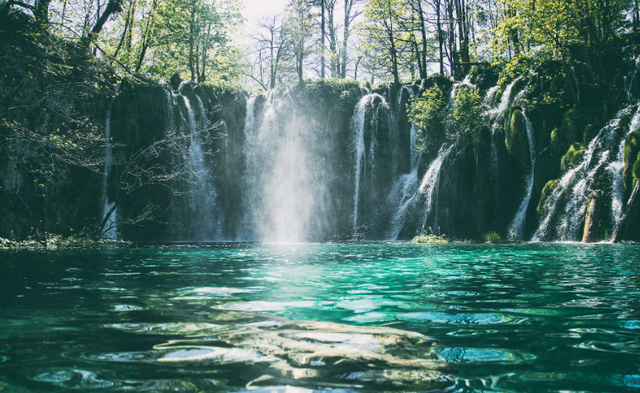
x=277, y=351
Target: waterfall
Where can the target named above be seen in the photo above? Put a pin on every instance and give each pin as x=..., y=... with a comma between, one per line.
x=496, y=115
x=516, y=229
x=285, y=194
x=574, y=185
x=206, y=215
x=364, y=161
x=247, y=232
x=496, y=112
x=491, y=93
x=404, y=191
x=616, y=168
x=110, y=228
x=431, y=184
x=171, y=116
x=628, y=80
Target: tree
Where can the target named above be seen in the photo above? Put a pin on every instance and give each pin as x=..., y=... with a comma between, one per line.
x=299, y=27
x=272, y=46
x=382, y=32
x=429, y=114
x=194, y=36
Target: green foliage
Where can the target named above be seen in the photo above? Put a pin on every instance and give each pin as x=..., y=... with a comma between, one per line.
x=51, y=241
x=631, y=161
x=430, y=239
x=573, y=157
x=193, y=37
x=636, y=170
x=468, y=113
x=385, y=44
x=440, y=124
x=551, y=29
x=492, y=237
x=547, y=191
x=51, y=88
x=428, y=113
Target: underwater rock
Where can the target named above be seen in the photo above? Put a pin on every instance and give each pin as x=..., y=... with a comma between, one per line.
x=275, y=351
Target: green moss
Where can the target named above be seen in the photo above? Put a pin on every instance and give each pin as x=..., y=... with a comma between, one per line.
x=590, y=131
x=631, y=162
x=576, y=126
x=546, y=193
x=636, y=171
x=516, y=139
x=573, y=157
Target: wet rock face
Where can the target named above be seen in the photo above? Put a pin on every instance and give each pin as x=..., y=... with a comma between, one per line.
x=628, y=228
x=592, y=229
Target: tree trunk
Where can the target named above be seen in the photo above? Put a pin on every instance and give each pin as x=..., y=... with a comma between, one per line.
x=422, y=60
x=42, y=12
x=333, y=46
x=393, y=52
x=453, y=53
x=146, y=35
x=322, y=33
x=440, y=36
x=348, y=4
x=113, y=7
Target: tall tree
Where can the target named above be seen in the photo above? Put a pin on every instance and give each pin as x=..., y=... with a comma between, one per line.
x=299, y=29
x=272, y=47
x=350, y=14
x=382, y=32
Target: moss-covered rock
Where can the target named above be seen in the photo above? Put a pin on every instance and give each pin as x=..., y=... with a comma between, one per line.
x=546, y=193
x=516, y=139
x=573, y=157
x=631, y=162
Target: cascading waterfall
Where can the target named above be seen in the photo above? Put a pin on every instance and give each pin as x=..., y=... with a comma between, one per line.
x=248, y=232
x=206, y=215
x=516, y=229
x=362, y=160
x=496, y=112
x=171, y=116
x=616, y=168
x=574, y=184
x=629, y=80
x=295, y=155
x=109, y=211
x=281, y=187
x=430, y=186
x=403, y=192
x=491, y=93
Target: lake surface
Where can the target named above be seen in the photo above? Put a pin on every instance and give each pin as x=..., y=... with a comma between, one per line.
x=340, y=317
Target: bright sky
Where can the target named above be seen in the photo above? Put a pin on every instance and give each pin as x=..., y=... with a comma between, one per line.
x=257, y=8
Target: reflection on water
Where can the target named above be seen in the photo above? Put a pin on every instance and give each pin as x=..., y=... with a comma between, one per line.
x=320, y=317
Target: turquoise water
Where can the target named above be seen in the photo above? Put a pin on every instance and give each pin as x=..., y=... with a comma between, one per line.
x=340, y=317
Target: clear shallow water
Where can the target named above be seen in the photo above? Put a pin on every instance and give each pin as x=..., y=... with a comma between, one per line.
x=371, y=317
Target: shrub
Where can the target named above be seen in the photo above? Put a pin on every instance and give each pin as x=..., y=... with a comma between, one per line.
x=492, y=237
x=430, y=238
